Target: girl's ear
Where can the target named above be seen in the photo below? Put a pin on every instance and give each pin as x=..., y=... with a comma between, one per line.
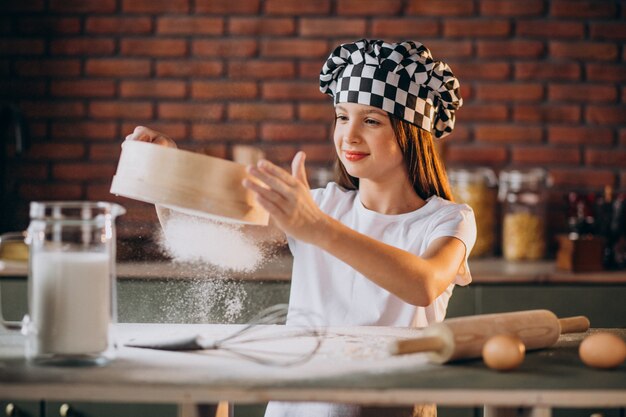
x=297, y=168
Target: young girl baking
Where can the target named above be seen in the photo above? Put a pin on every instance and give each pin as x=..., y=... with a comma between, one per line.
x=384, y=245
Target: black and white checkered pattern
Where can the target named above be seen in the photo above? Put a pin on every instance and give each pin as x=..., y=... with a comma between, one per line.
x=400, y=78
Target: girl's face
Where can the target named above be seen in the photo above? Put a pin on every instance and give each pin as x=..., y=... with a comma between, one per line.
x=366, y=144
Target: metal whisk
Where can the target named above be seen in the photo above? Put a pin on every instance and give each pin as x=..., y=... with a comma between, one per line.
x=256, y=341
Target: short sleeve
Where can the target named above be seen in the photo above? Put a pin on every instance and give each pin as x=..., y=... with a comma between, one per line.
x=457, y=220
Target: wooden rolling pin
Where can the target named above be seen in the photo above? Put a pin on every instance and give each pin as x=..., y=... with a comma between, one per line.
x=464, y=337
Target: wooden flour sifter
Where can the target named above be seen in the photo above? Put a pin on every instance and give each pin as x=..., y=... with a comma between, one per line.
x=187, y=182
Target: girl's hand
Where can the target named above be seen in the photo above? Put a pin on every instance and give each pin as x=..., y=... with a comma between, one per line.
x=145, y=134
x=287, y=198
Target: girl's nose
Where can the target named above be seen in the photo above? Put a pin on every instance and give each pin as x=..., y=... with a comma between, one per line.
x=351, y=134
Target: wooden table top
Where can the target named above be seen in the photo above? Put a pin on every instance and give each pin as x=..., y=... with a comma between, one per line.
x=353, y=365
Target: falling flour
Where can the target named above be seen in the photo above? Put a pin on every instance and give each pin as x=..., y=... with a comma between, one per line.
x=194, y=239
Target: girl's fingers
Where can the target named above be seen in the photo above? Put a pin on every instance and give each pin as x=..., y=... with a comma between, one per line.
x=273, y=182
x=265, y=193
x=266, y=166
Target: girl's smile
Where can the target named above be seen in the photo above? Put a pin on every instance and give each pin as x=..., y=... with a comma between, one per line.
x=354, y=156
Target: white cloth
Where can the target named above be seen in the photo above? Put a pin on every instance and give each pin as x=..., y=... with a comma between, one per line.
x=337, y=295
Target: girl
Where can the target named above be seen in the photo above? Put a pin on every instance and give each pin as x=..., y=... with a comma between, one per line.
x=384, y=245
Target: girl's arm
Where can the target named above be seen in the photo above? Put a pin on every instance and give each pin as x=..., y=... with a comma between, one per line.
x=418, y=280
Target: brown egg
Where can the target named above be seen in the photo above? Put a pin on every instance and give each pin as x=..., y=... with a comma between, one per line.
x=503, y=352
x=602, y=350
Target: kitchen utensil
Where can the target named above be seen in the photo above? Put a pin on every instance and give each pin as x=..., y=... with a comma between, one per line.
x=252, y=341
x=187, y=182
x=464, y=337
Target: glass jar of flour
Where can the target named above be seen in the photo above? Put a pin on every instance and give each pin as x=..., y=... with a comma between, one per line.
x=71, y=283
x=522, y=193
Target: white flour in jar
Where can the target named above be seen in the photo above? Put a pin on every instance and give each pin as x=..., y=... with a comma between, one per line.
x=195, y=239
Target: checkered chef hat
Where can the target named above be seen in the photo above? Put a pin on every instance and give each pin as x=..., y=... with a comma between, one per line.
x=400, y=78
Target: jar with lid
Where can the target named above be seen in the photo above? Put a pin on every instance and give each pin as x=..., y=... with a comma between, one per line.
x=522, y=193
x=476, y=187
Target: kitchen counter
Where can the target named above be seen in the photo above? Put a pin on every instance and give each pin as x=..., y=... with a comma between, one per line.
x=484, y=271
x=353, y=365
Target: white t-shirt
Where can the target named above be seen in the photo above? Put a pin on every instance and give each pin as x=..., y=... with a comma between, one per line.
x=335, y=294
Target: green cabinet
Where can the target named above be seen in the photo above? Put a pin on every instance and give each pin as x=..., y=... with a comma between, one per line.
x=88, y=409
x=21, y=408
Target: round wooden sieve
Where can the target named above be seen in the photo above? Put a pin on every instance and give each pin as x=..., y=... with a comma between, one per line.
x=185, y=181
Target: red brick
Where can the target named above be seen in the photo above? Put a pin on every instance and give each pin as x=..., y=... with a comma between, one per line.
x=250, y=26
x=13, y=46
x=83, y=6
x=297, y=7
x=101, y=192
x=622, y=180
x=511, y=8
x=492, y=70
x=316, y=112
x=153, y=47
x=220, y=90
x=84, y=130
x=550, y=113
x=120, y=109
x=475, y=28
x=194, y=68
x=190, y=111
x=53, y=109
x=155, y=6
x=587, y=9
x=293, y=132
x=83, y=171
x=580, y=135
x=444, y=50
x=547, y=29
x=260, y=111
x=224, y=131
x=508, y=133
x=509, y=92
x=50, y=192
x=153, y=89
x=294, y=48
x=510, y=49
x=605, y=157
x=475, y=112
x=38, y=130
x=82, y=46
x=582, y=93
x=11, y=88
x=104, y=152
x=584, y=51
x=49, y=25
x=374, y=8
x=404, y=28
x=460, y=134
x=175, y=130
x=262, y=69
x=227, y=7
x=82, y=88
x=224, y=47
x=24, y=6
x=188, y=25
x=277, y=90
x=606, y=72
x=317, y=153
x=117, y=67
x=475, y=154
x=56, y=151
x=541, y=70
x=440, y=8
x=606, y=114
x=582, y=178
x=541, y=155
x=331, y=27
x=30, y=171
x=280, y=153
x=310, y=70
x=607, y=30
x=118, y=25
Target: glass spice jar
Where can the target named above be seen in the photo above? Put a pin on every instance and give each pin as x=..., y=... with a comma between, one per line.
x=522, y=194
x=476, y=187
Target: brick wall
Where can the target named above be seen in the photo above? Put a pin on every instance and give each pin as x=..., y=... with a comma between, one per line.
x=543, y=83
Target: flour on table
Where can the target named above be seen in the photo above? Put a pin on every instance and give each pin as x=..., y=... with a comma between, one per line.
x=195, y=239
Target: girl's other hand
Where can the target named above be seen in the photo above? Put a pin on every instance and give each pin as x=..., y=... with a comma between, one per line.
x=287, y=198
x=145, y=134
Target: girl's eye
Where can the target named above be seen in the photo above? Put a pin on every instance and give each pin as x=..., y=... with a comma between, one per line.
x=341, y=117
x=372, y=122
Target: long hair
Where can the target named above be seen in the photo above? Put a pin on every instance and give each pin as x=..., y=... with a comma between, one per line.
x=424, y=166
